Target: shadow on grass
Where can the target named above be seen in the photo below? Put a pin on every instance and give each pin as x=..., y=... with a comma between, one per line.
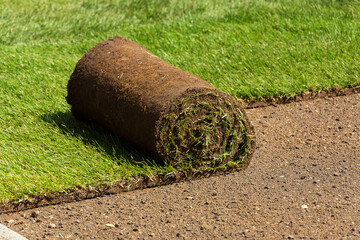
x=105, y=141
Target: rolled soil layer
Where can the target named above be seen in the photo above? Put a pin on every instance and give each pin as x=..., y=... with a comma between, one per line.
x=158, y=107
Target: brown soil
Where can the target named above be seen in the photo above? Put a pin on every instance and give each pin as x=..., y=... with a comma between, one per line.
x=303, y=183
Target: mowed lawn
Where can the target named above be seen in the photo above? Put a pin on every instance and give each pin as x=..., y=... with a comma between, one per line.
x=250, y=49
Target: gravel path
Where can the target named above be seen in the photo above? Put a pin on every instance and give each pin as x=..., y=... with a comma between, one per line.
x=303, y=183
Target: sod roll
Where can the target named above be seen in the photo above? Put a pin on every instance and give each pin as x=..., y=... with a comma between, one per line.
x=158, y=107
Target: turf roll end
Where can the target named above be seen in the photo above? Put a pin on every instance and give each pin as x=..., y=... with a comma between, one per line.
x=158, y=107
x=204, y=129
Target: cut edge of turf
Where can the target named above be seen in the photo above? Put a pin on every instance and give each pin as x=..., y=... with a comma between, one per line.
x=307, y=95
x=140, y=182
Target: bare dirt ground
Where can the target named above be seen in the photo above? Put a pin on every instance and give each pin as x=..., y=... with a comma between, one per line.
x=303, y=183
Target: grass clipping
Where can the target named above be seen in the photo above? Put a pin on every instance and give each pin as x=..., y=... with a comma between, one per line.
x=158, y=107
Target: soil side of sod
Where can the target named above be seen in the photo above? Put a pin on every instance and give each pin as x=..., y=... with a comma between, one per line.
x=88, y=192
x=163, y=110
x=303, y=183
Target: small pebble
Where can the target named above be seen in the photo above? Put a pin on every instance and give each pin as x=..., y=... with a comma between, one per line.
x=52, y=225
x=206, y=227
x=35, y=214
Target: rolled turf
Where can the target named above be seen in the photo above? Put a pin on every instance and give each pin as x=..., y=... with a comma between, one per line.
x=158, y=107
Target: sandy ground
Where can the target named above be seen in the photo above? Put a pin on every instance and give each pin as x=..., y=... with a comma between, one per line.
x=303, y=183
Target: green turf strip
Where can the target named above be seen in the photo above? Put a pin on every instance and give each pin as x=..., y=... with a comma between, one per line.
x=250, y=49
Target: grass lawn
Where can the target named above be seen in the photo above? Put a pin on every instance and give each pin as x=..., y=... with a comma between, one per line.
x=250, y=49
